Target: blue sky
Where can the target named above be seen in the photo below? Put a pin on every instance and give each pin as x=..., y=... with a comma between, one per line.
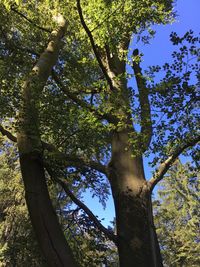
x=160, y=48
x=157, y=52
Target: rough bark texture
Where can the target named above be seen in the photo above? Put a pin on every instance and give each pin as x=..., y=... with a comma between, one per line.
x=44, y=220
x=137, y=241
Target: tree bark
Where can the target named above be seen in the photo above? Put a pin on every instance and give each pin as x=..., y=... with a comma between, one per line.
x=137, y=240
x=43, y=217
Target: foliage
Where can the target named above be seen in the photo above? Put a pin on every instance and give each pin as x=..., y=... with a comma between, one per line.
x=177, y=216
x=175, y=95
x=89, y=245
x=79, y=72
x=18, y=245
x=79, y=110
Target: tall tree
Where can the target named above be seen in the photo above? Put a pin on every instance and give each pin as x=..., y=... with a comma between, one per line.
x=81, y=114
x=177, y=216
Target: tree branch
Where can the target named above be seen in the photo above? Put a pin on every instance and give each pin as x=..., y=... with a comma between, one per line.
x=98, y=57
x=72, y=96
x=82, y=103
x=109, y=234
x=75, y=161
x=8, y=134
x=164, y=167
x=146, y=123
x=13, y=45
x=28, y=123
x=29, y=20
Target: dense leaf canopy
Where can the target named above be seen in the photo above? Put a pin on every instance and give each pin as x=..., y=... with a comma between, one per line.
x=86, y=101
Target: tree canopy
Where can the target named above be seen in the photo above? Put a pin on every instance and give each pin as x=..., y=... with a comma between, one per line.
x=66, y=102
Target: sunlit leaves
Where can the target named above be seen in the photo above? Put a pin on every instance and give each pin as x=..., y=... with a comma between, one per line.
x=175, y=97
x=116, y=21
x=71, y=123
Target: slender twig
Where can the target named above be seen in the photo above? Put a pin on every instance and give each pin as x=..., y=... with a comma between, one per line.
x=73, y=160
x=107, y=17
x=81, y=103
x=109, y=234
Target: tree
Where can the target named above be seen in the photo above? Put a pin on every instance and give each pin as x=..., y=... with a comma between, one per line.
x=18, y=245
x=81, y=114
x=177, y=216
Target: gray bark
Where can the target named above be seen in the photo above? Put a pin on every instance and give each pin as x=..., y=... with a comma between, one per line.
x=51, y=239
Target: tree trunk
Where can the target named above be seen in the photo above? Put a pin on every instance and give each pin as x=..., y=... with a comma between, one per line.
x=50, y=237
x=137, y=240
x=43, y=217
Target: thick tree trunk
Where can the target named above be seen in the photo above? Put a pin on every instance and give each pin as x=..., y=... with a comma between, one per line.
x=137, y=241
x=50, y=237
x=43, y=217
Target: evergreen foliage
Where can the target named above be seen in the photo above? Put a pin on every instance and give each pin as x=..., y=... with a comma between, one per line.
x=177, y=216
x=18, y=246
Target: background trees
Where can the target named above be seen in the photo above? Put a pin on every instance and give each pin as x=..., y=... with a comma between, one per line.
x=177, y=216
x=80, y=125
x=18, y=246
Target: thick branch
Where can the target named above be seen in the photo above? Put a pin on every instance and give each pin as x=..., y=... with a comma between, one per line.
x=109, y=234
x=32, y=87
x=98, y=57
x=164, y=167
x=146, y=123
x=8, y=134
x=75, y=161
